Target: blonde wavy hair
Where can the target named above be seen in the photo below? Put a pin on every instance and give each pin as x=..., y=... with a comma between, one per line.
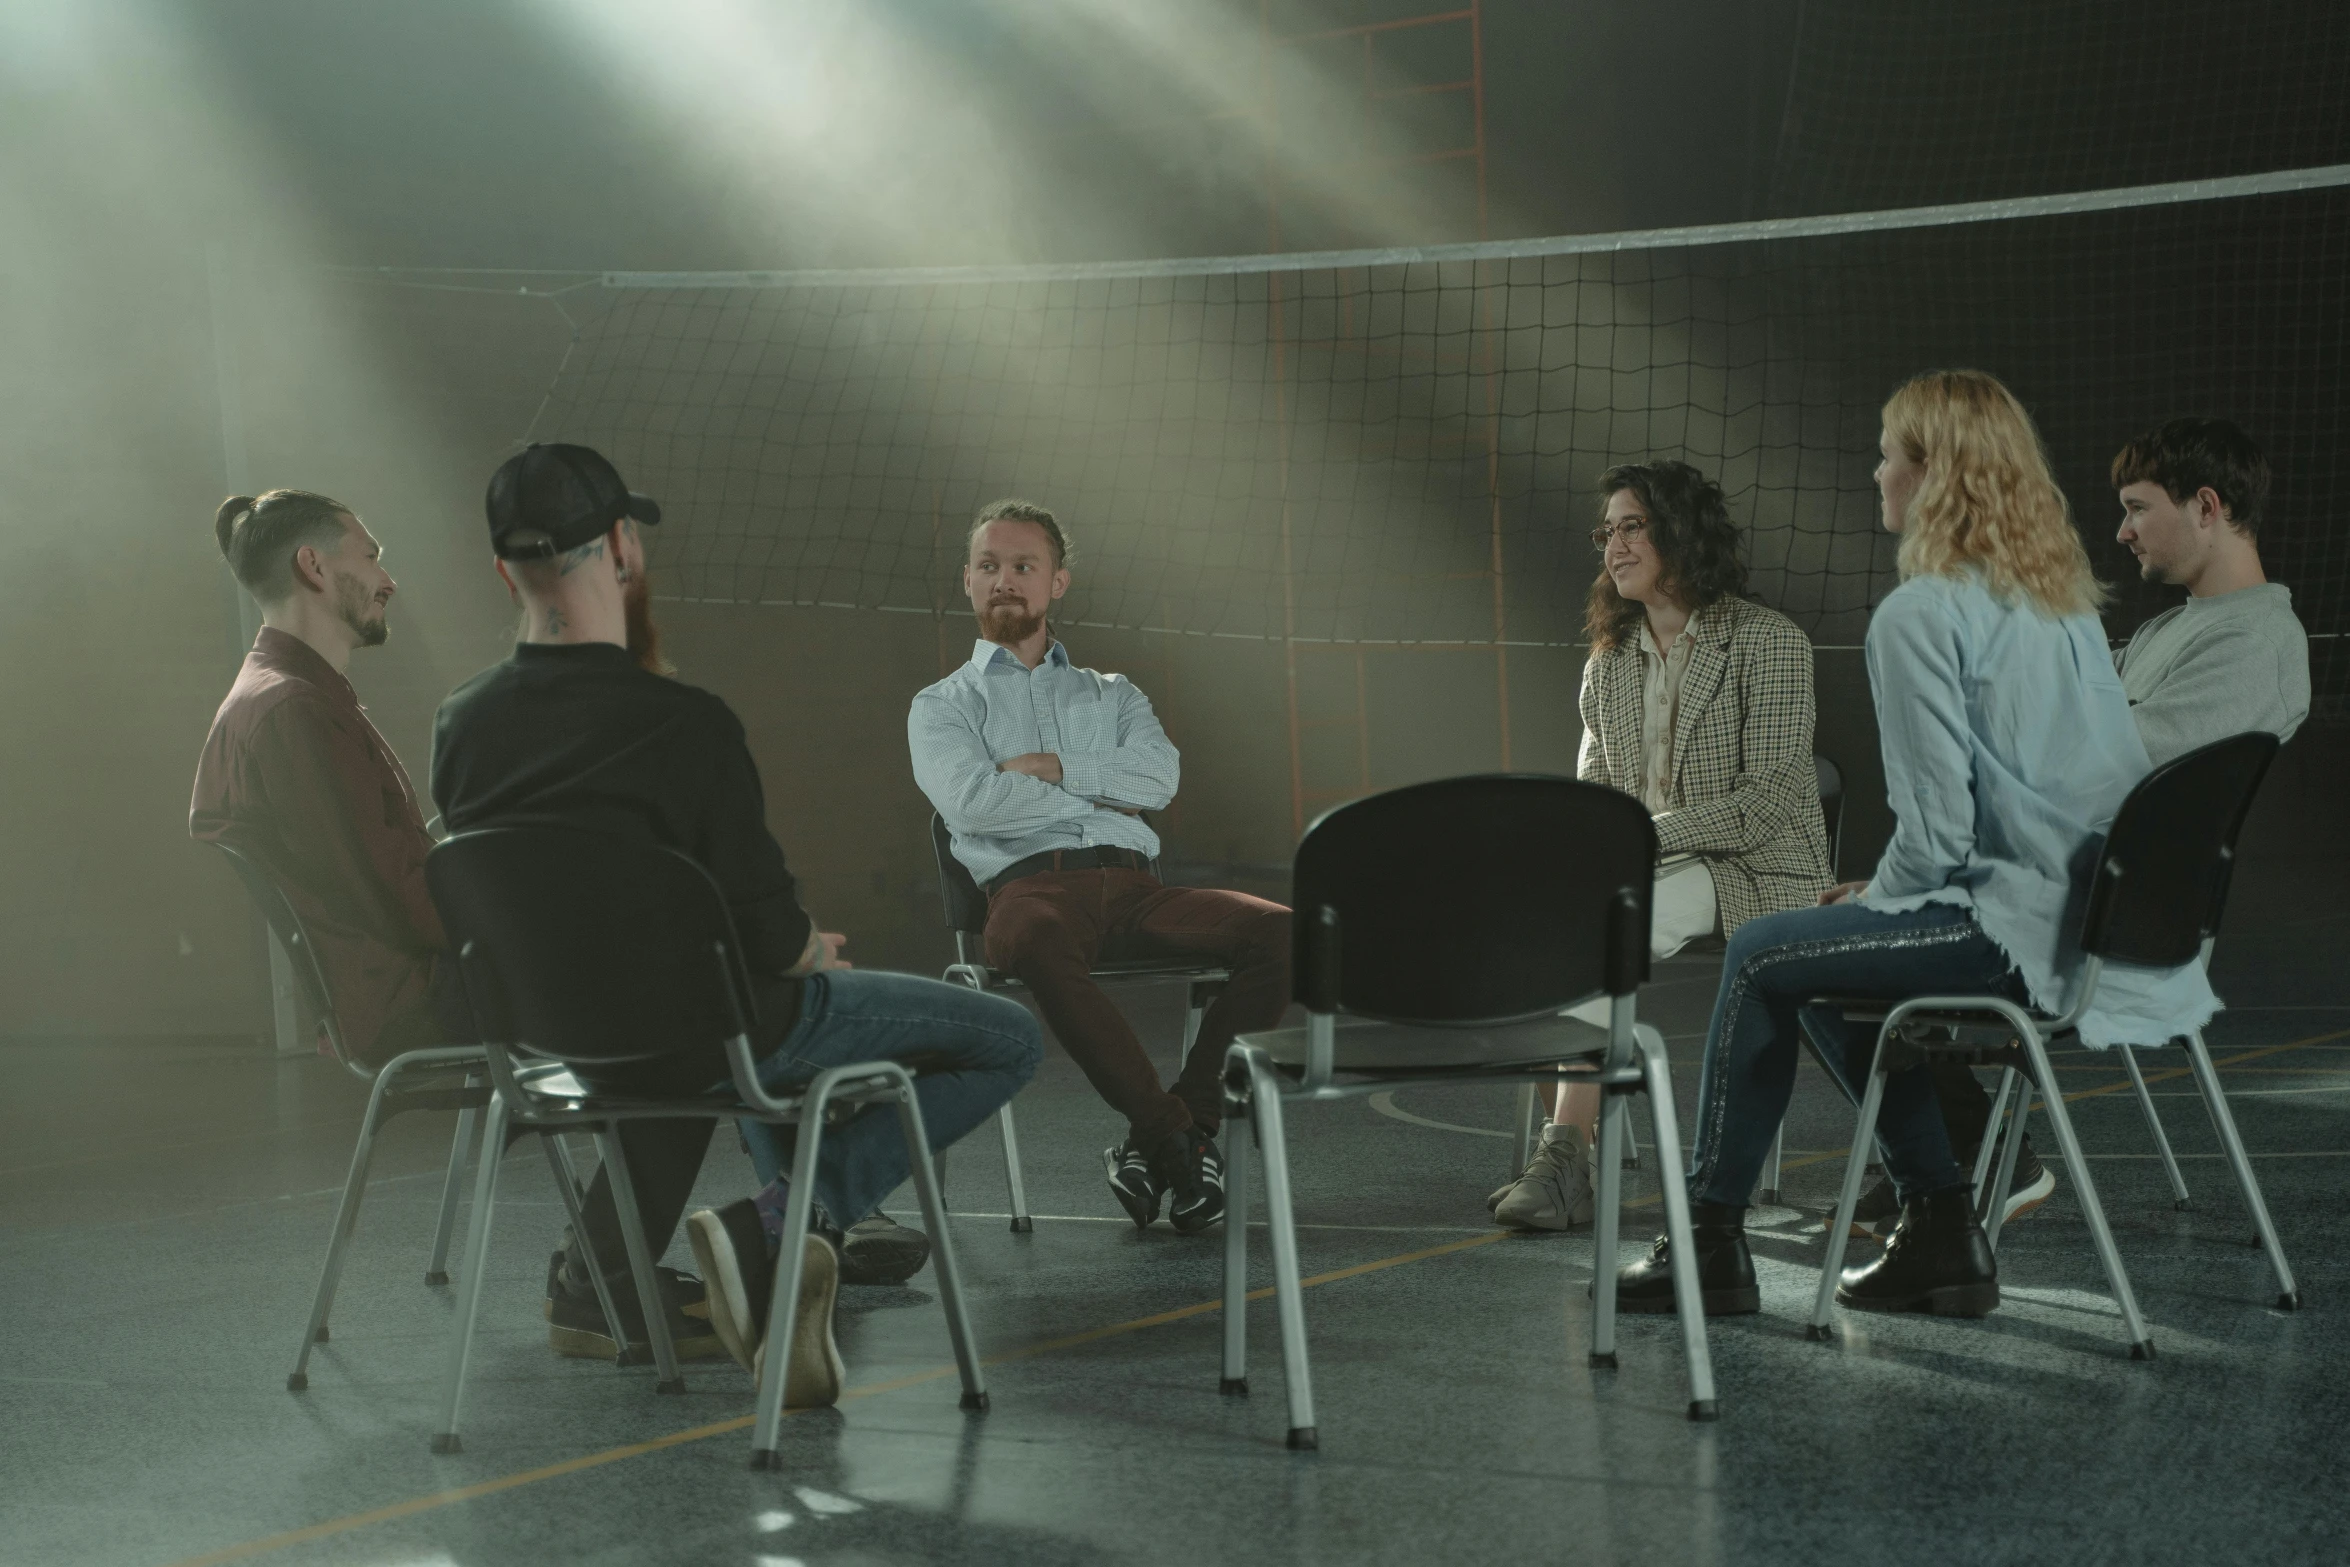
x=1987, y=500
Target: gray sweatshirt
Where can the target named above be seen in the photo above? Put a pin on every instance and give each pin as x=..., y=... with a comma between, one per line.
x=2215, y=667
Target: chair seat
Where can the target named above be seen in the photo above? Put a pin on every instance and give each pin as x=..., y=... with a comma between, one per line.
x=1130, y=968
x=1365, y=1047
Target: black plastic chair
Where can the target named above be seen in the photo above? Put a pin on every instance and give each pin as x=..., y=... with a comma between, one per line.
x=414, y=1080
x=2160, y=888
x=1442, y=930
x=599, y=953
x=965, y=906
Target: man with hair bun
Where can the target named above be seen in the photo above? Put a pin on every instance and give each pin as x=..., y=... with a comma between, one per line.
x=294, y=776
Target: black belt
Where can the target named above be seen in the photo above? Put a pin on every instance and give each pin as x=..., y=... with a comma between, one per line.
x=1069, y=860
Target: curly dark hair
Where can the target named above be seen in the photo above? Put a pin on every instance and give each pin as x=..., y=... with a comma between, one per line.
x=1697, y=545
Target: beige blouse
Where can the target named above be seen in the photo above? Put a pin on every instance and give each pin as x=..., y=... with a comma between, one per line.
x=1660, y=705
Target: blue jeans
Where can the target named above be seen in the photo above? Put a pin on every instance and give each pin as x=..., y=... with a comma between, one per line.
x=1778, y=963
x=975, y=1051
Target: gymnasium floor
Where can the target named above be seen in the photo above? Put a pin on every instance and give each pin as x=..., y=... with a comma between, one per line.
x=165, y=1206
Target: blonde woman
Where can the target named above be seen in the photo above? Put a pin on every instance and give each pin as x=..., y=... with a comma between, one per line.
x=2008, y=745
x=1697, y=702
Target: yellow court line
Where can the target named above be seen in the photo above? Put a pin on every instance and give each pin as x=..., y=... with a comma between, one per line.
x=438, y=1499
x=467, y=1493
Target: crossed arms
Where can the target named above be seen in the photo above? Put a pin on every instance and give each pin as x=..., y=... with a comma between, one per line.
x=978, y=794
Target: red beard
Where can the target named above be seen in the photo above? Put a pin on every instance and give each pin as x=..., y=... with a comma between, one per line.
x=1009, y=623
x=644, y=638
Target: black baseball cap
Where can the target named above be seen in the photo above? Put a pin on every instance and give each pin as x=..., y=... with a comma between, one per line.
x=547, y=499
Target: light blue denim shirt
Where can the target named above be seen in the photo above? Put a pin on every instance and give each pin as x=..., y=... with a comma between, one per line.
x=1113, y=753
x=2008, y=747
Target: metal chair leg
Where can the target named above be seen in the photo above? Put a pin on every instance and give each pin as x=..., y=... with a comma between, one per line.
x=1022, y=1224
x=1856, y=1162
x=567, y=1183
x=1768, y=1191
x=942, y=1261
x=477, y=1250
x=2223, y=1121
x=640, y=1266
x=1607, y=1205
x=1703, y=1405
x=2170, y=1163
x=1982, y=1171
x=1288, y=1289
x=2141, y=1346
x=461, y=1152
x=1238, y=1133
x=1993, y=1206
x=784, y=1309
x=338, y=1245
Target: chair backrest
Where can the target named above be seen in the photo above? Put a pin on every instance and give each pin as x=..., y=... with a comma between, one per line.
x=278, y=912
x=588, y=947
x=965, y=904
x=1831, y=785
x=1473, y=900
x=2162, y=876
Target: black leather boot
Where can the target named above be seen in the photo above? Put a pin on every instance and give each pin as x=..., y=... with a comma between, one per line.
x=1938, y=1260
x=1725, y=1269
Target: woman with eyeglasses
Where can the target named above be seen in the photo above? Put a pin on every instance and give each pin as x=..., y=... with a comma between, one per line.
x=2008, y=747
x=1697, y=702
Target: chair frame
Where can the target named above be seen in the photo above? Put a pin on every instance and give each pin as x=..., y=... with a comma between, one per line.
x=539, y=1094
x=2018, y=1044
x=392, y=1093
x=958, y=892
x=1257, y=1088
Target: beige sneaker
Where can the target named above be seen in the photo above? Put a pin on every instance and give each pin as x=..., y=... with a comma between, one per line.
x=1555, y=1192
x=812, y=1377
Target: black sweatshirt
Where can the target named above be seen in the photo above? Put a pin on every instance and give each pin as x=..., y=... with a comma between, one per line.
x=577, y=735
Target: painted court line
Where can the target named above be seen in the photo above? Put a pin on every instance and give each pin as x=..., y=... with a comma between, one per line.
x=434, y=1500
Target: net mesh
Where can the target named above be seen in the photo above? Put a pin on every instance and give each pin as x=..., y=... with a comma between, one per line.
x=1406, y=452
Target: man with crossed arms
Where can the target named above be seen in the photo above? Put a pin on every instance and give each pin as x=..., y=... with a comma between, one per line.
x=1041, y=771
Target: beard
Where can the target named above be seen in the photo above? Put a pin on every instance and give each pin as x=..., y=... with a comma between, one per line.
x=644, y=638
x=358, y=609
x=1009, y=623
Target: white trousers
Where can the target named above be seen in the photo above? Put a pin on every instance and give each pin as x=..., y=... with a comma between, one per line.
x=1681, y=909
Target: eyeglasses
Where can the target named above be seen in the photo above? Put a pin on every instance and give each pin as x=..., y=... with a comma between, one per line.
x=1630, y=528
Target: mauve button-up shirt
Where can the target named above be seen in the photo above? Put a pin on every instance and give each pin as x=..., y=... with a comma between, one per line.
x=295, y=776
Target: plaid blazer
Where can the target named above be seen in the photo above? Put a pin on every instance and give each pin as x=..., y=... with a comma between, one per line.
x=1742, y=767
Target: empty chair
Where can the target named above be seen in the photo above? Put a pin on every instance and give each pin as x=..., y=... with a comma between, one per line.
x=415, y=1080
x=965, y=906
x=1441, y=931
x=600, y=953
x=2160, y=888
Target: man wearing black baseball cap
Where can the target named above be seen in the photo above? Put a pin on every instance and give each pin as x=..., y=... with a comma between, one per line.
x=578, y=730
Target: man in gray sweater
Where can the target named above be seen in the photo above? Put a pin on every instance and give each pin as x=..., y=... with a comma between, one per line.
x=2233, y=657
x=2230, y=659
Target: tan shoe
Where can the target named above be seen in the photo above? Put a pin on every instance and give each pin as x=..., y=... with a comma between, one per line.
x=813, y=1376
x=1555, y=1193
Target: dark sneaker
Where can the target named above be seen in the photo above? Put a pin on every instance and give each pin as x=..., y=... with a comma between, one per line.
x=2033, y=1185
x=879, y=1250
x=683, y=1289
x=1132, y=1182
x=1938, y=1260
x=1192, y=1171
x=812, y=1377
x=575, y=1321
x=731, y=1247
x=1725, y=1268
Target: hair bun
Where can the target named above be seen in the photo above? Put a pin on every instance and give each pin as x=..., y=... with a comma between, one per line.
x=224, y=521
